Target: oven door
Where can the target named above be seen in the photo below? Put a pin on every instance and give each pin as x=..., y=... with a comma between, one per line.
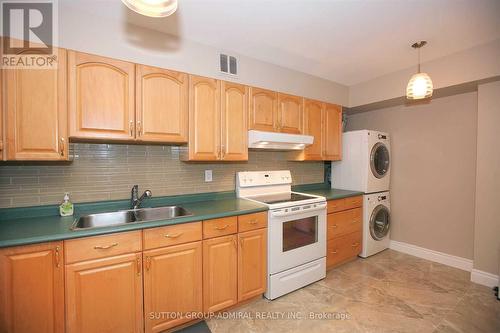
x=296, y=239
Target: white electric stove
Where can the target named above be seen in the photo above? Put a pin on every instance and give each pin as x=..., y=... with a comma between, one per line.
x=296, y=230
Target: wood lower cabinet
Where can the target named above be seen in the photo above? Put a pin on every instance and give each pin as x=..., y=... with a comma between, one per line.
x=234, y=113
x=101, y=97
x=220, y=273
x=290, y=114
x=161, y=105
x=252, y=263
x=172, y=284
x=105, y=295
x=32, y=288
x=36, y=112
x=204, y=119
x=344, y=230
x=263, y=112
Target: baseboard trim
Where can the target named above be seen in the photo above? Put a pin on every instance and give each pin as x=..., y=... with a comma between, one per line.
x=484, y=278
x=440, y=257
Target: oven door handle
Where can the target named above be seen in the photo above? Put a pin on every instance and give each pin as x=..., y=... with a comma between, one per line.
x=314, y=208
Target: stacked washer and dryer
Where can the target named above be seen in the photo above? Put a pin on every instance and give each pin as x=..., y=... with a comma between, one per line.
x=365, y=167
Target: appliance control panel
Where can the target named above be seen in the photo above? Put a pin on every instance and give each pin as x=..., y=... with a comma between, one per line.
x=260, y=178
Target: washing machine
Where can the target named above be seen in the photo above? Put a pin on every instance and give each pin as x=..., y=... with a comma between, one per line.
x=376, y=223
x=365, y=164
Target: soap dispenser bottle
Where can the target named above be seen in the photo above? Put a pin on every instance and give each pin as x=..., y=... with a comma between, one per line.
x=66, y=207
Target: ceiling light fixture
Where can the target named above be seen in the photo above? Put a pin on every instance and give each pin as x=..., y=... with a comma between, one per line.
x=420, y=84
x=152, y=8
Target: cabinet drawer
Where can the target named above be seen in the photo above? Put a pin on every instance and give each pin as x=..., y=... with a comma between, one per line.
x=344, y=222
x=343, y=248
x=353, y=202
x=172, y=235
x=220, y=227
x=335, y=206
x=252, y=221
x=102, y=246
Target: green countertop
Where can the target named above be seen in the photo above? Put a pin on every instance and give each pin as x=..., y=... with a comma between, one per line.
x=325, y=191
x=29, y=225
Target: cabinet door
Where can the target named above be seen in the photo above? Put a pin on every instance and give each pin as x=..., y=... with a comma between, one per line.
x=290, y=113
x=161, y=105
x=263, y=110
x=36, y=112
x=172, y=283
x=220, y=274
x=234, y=113
x=204, y=119
x=252, y=263
x=101, y=97
x=332, y=127
x=32, y=289
x=105, y=295
x=313, y=111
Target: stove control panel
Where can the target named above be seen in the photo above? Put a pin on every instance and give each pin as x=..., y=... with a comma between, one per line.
x=261, y=178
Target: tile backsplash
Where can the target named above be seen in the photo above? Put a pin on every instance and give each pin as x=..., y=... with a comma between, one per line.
x=108, y=171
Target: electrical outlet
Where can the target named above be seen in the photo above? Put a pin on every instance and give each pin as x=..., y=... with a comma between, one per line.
x=208, y=175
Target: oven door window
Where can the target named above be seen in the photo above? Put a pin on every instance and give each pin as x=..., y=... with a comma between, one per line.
x=299, y=233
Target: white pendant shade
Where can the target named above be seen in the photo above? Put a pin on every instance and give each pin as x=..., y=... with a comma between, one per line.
x=419, y=86
x=152, y=8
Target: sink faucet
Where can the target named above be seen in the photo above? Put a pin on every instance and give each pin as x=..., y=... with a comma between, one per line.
x=135, y=201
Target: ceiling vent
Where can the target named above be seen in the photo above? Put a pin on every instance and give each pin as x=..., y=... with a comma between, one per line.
x=228, y=64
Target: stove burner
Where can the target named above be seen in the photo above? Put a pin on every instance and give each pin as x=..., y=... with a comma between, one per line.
x=281, y=197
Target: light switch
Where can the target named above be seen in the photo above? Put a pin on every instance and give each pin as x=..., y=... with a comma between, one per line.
x=208, y=175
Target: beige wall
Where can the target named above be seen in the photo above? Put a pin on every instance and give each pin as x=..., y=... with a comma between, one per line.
x=487, y=225
x=85, y=31
x=433, y=171
x=103, y=172
x=480, y=62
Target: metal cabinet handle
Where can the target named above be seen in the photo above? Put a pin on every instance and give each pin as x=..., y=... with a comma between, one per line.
x=131, y=128
x=57, y=255
x=252, y=221
x=148, y=263
x=105, y=247
x=173, y=235
x=62, y=147
x=334, y=226
x=139, y=128
x=355, y=244
x=222, y=228
x=138, y=262
x=333, y=252
x=222, y=153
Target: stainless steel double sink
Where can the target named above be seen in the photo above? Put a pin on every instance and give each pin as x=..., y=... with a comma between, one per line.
x=129, y=216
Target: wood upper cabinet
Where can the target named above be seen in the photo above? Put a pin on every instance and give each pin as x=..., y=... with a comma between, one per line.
x=172, y=283
x=290, y=113
x=263, y=110
x=252, y=263
x=332, y=132
x=101, y=97
x=204, y=119
x=105, y=295
x=313, y=125
x=234, y=113
x=32, y=288
x=36, y=112
x=161, y=105
x=220, y=273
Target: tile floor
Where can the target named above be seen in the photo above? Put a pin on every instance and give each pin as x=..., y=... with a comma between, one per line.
x=389, y=292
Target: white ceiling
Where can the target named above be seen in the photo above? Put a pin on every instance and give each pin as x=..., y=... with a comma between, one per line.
x=343, y=41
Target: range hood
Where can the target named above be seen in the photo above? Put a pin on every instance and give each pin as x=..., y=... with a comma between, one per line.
x=278, y=141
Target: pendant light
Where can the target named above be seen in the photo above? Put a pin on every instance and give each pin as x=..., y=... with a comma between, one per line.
x=420, y=84
x=152, y=8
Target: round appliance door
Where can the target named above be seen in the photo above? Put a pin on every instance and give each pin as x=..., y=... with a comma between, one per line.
x=380, y=222
x=379, y=160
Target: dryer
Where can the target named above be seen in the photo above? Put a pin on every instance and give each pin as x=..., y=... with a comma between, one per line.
x=376, y=223
x=365, y=164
